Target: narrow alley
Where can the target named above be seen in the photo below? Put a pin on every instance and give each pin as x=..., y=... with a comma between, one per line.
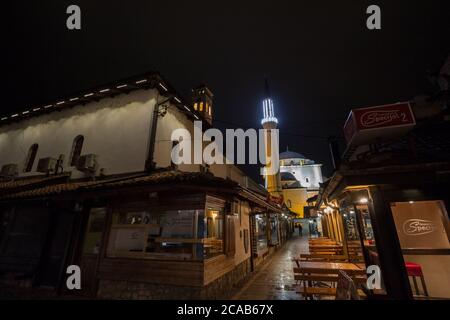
x=275, y=279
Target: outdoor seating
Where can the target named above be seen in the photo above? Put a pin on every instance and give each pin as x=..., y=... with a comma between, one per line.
x=320, y=279
x=415, y=270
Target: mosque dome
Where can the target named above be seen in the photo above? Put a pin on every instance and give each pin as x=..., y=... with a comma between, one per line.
x=291, y=155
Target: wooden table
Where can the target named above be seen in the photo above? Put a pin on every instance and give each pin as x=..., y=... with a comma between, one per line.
x=317, y=271
x=312, y=266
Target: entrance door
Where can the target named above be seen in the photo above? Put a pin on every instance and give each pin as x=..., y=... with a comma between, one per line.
x=52, y=264
x=91, y=250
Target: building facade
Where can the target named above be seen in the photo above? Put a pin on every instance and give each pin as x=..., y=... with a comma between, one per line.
x=388, y=202
x=301, y=179
x=88, y=180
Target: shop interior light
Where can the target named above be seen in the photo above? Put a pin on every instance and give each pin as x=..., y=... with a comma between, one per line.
x=411, y=202
x=363, y=200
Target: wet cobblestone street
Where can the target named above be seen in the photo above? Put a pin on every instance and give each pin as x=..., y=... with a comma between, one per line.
x=275, y=279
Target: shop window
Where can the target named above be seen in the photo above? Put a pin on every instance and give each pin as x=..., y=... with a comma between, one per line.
x=273, y=229
x=366, y=223
x=167, y=235
x=31, y=156
x=261, y=232
x=359, y=235
x=214, y=227
x=350, y=225
x=94, y=231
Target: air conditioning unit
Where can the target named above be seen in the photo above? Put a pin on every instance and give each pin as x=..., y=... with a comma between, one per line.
x=87, y=163
x=10, y=170
x=46, y=165
x=204, y=168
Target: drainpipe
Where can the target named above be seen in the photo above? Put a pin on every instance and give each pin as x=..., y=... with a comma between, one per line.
x=150, y=164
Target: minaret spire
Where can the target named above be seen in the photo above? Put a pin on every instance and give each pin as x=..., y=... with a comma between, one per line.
x=269, y=123
x=268, y=109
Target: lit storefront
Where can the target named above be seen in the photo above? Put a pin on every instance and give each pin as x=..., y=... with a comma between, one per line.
x=388, y=200
x=261, y=232
x=151, y=237
x=385, y=218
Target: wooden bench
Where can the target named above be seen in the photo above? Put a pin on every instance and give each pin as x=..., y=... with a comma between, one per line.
x=320, y=291
x=307, y=289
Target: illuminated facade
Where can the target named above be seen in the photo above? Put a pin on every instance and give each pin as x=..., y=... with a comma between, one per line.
x=300, y=179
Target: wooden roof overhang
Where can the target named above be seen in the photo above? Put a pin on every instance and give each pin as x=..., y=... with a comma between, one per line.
x=405, y=176
x=165, y=181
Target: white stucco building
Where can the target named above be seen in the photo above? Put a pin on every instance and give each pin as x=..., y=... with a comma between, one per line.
x=121, y=128
x=306, y=171
x=300, y=180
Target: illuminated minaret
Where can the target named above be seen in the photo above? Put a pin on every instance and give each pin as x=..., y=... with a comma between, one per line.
x=270, y=122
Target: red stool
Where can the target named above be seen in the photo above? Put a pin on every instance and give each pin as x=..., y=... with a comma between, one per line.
x=415, y=270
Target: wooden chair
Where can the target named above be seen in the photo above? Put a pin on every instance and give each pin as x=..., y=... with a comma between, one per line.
x=311, y=281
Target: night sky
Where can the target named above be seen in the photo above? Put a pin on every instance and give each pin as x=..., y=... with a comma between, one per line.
x=320, y=58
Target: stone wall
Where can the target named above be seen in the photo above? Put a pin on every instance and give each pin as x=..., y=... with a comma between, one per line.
x=220, y=288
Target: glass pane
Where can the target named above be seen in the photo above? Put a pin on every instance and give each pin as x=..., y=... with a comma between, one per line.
x=273, y=229
x=261, y=232
x=422, y=229
x=213, y=232
x=172, y=234
x=94, y=231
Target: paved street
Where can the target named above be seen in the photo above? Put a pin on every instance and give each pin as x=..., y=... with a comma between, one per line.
x=275, y=280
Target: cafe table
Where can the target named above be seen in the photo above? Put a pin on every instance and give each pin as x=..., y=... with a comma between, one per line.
x=311, y=266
